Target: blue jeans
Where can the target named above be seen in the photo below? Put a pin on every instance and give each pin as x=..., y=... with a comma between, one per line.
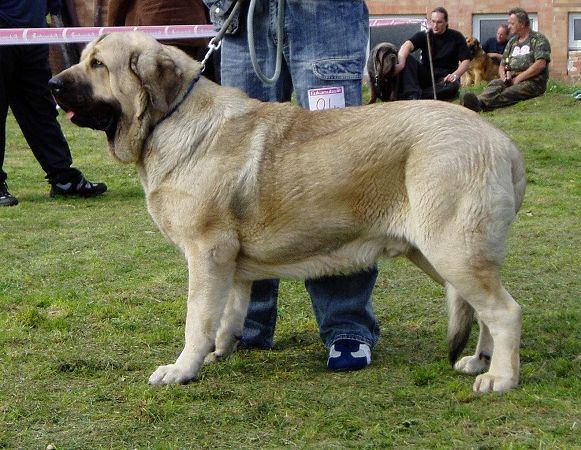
x=325, y=43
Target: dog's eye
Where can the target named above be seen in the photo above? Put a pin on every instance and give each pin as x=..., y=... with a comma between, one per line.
x=95, y=63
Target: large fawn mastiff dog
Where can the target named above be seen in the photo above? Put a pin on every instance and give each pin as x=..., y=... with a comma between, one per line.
x=250, y=190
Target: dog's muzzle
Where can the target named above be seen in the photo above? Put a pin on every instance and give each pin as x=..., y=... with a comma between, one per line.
x=82, y=110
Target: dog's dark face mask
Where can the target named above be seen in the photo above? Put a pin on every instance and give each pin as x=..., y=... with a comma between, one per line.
x=78, y=101
x=473, y=47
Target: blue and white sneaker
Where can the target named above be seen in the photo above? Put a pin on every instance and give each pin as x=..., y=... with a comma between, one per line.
x=346, y=355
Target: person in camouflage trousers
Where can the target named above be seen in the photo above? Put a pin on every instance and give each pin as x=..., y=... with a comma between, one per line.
x=524, y=70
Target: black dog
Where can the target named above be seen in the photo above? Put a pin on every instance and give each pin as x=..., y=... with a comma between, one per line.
x=381, y=67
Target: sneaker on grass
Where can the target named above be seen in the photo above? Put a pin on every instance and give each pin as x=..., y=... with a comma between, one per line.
x=6, y=198
x=80, y=187
x=346, y=355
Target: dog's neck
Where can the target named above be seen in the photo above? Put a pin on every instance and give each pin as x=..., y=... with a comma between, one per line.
x=180, y=101
x=175, y=107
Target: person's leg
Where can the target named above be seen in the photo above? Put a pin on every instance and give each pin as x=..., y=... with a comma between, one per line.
x=477, y=103
x=490, y=92
x=236, y=67
x=237, y=71
x=343, y=309
x=6, y=198
x=35, y=111
x=260, y=323
x=6, y=69
x=342, y=63
x=410, y=80
x=499, y=96
x=444, y=91
x=327, y=44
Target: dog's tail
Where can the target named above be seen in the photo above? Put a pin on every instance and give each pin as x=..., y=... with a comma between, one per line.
x=460, y=319
x=519, y=179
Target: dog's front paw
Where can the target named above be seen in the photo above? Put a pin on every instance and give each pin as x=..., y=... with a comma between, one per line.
x=472, y=365
x=493, y=383
x=171, y=374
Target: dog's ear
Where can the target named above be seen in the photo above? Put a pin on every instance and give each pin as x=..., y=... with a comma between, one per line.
x=160, y=77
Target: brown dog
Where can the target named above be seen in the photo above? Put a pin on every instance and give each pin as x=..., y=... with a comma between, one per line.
x=482, y=67
x=250, y=190
x=380, y=67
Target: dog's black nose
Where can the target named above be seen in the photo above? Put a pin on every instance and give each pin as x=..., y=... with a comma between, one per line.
x=55, y=84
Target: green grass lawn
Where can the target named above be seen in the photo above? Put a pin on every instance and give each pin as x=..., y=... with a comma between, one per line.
x=92, y=299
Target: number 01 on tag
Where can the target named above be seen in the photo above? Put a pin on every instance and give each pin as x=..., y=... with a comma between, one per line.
x=326, y=98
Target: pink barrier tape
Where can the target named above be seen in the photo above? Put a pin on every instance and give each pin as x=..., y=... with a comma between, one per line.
x=22, y=36
x=19, y=36
x=392, y=22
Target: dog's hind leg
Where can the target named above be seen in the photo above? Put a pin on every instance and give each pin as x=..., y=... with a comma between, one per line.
x=232, y=322
x=460, y=313
x=211, y=266
x=418, y=258
x=498, y=313
x=501, y=319
x=480, y=361
x=460, y=318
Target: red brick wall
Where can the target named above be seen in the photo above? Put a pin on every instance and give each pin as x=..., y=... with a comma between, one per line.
x=553, y=19
x=574, y=66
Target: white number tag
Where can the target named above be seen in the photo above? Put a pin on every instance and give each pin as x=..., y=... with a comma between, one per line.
x=326, y=98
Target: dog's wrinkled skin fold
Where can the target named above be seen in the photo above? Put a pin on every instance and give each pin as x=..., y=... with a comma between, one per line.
x=482, y=67
x=250, y=190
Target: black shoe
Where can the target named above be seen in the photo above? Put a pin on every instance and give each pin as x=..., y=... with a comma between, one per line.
x=6, y=198
x=81, y=187
x=470, y=101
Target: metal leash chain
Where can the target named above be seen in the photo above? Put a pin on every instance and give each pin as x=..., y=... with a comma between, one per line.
x=216, y=42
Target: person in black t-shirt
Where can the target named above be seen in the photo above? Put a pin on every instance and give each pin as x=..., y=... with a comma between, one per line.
x=450, y=57
x=494, y=47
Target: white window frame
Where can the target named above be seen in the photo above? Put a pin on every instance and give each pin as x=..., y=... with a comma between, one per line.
x=573, y=44
x=476, y=18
